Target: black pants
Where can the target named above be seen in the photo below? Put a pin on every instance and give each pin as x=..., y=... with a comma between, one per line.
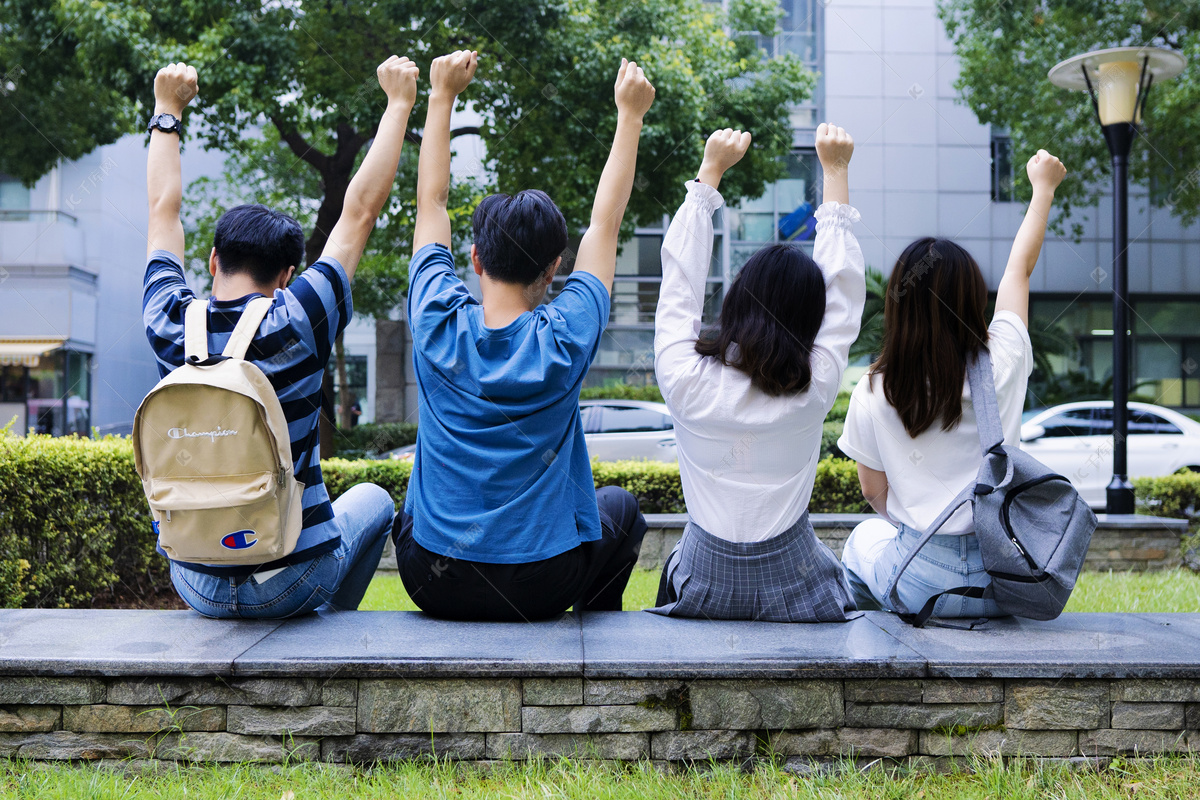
x=591, y=577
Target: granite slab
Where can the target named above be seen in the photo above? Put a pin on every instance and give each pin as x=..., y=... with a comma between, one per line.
x=122, y=642
x=1072, y=646
x=642, y=645
x=412, y=644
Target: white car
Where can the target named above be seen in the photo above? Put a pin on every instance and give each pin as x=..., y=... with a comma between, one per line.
x=619, y=429
x=1075, y=440
x=615, y=430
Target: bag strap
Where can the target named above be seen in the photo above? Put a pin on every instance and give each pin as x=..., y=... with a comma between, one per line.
x=919, y=619
x=893, y=594
x=247, y=326
x=195, y=331
x=983, y=397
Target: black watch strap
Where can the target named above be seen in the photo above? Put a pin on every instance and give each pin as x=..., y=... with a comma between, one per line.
x=167, y=123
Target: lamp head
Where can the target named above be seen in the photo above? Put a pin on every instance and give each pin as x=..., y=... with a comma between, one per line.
x=1118, y=78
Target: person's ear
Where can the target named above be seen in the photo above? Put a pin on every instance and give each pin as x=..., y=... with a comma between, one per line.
x=475, y=262
x=288, y=274
x=212, y=263
x=552, y=271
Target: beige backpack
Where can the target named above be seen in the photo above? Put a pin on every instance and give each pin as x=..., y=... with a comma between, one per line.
x=211, y=446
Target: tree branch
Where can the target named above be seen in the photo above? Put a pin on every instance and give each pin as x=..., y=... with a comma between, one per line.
x=300, y=146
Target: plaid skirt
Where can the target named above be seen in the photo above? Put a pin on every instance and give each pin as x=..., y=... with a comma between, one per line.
x=792, y=577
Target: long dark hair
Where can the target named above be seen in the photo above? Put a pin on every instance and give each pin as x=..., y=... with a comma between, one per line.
x=772, y=313
x=933, y=325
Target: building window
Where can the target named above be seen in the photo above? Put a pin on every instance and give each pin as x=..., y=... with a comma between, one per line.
x=784, y=212
x=1002, y=167
x=48, y=393
x=800, y=31
x=14, y=200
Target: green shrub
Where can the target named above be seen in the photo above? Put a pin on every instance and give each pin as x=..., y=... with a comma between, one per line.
x=390, y=474
x=73, y=522
x=654, y=483
x=836, y=489
x=371, y=437
x=622, y=391
x=1170, y=496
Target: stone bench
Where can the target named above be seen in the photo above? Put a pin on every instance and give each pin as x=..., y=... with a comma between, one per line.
x=1121, y=543
x=375, y=686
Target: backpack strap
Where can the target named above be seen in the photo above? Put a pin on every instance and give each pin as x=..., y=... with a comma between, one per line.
x=919, y=619
x=893, y=593
x=247, y=326
x=983, y=397
x=195, y=331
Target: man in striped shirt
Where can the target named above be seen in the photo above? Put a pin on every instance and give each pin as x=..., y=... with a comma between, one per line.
x=256, y=252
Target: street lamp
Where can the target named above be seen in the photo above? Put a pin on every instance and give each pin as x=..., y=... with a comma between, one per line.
x=1118, y=80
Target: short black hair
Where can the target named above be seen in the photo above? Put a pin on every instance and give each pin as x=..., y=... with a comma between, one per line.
x=259, y=242
x=517, y=237
x=772, y=312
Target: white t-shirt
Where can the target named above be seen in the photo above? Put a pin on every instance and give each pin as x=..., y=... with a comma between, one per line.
x=924, y=474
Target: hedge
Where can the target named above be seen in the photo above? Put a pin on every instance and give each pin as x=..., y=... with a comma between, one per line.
x=74, y=523
x=370, y=438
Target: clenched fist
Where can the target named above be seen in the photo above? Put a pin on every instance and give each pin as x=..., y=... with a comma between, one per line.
x=398, y=79
x=1045, y=171
x=834, y=147
x=174, y=87
x=451, y=74
x=722, y=150
x=633, y=92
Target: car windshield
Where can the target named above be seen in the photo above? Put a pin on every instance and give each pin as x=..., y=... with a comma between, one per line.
x=1028, y=415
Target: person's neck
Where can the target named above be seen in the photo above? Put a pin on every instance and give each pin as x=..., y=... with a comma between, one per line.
x=504, y=302
x=235, y=287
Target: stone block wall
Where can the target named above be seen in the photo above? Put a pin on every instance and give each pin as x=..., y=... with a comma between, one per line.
x=365, y=720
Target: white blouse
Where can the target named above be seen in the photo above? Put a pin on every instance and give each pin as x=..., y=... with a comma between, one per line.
x=747, y=459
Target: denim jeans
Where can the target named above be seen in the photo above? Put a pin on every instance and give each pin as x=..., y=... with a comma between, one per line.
x=333, y=581
x=875, y=550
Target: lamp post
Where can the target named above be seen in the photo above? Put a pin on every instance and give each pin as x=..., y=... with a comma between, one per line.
x=1118, y=80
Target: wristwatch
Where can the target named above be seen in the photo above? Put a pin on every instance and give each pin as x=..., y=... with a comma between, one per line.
x=167, y=123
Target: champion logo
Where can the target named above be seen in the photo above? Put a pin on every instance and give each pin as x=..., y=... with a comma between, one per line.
x=239, y=540
x=216, y=433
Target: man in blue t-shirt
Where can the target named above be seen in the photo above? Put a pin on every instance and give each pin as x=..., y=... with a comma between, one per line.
x=502, y=520
x=255, y=254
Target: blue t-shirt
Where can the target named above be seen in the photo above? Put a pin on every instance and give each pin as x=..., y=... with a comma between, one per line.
x=292, y=347
x=501, y=473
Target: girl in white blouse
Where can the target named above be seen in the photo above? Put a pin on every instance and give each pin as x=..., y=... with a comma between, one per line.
x=911, y=424
x=749, y=399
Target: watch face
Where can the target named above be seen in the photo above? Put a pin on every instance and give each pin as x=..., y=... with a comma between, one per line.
x=168, y=121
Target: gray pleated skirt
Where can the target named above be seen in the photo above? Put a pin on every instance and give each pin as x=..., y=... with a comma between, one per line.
x=792, y=577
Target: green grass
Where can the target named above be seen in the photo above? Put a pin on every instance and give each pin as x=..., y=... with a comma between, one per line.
x=1012, y=780
x=1174, y=590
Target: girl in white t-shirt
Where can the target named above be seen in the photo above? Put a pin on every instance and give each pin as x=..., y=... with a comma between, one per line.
x=911, y=425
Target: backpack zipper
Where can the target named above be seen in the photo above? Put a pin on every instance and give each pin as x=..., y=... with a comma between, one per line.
x=1011, y=495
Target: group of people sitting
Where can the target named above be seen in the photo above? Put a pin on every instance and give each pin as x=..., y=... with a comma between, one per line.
x=502, y=520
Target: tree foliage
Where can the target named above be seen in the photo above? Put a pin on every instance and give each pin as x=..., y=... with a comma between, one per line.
x=1006, y=47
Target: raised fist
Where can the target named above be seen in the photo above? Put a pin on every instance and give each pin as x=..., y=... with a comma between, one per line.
x=725, y=148
x=451, y=74
x=174, y=87
x=633, y=92
x=398, y=79
x=1045, y=171
x=834, y=147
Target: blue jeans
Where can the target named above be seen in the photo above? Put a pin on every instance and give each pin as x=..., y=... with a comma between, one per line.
x=336, y=580
x=875, y=550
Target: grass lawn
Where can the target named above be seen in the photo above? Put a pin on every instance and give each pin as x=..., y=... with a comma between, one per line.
x=1016, y=780
x=1175, y=590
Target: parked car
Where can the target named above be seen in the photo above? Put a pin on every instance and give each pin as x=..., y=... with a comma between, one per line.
x=614, y=430
x=1075, y=440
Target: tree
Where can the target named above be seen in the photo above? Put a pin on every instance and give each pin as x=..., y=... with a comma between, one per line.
x=1006, y=47
x=544, y=87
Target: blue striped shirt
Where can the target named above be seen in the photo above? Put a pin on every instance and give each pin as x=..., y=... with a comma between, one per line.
x=292, y=348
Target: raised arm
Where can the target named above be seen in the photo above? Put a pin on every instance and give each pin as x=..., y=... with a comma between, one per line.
x=840, y=258
x=448, y=77
x=1045, y=174
x=686, y=256
x=174, y=87
x=598, y=249
x=372, y=184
